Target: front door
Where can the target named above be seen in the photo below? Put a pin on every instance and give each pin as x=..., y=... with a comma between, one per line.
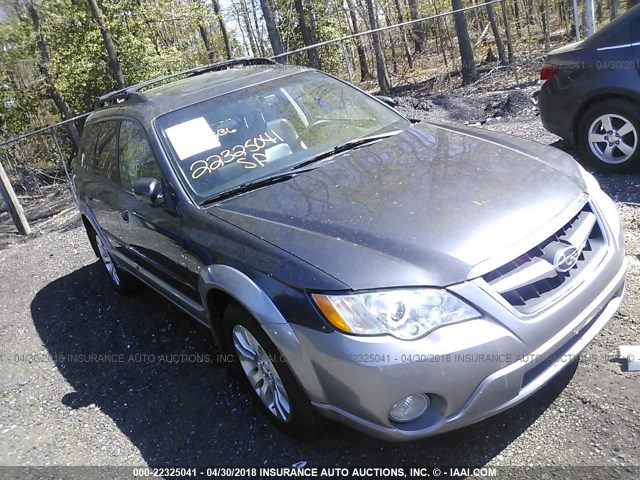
x=150, y=232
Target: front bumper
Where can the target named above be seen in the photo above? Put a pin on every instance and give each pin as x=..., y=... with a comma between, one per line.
x=356, y=380
x=557, y=111
x=471, y=370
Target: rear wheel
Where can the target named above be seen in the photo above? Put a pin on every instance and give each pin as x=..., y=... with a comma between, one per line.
x=121, y=281
x=264, y=371
x=609, y=136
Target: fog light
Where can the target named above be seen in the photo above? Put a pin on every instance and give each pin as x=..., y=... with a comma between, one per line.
x=409, y=408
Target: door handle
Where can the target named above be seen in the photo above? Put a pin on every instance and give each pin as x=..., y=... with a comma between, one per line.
x=125, y=215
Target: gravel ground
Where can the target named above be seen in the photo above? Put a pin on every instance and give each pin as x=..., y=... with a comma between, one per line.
x=157, y=397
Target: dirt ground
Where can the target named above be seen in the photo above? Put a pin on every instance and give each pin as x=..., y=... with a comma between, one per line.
x=57, y=410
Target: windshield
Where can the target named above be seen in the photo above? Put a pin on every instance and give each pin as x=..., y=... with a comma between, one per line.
x=243, y=136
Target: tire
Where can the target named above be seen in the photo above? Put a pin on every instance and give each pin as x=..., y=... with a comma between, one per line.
x=121, y=281
x=609, y=136
x=273, y=385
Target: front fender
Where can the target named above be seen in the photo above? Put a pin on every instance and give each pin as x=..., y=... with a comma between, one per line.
x=246, y=292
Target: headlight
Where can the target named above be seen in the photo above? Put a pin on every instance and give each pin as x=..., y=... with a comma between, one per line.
x=405, y=314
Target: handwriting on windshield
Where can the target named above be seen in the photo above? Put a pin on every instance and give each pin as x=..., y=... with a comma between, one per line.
x=248, y=154
x=221, y=132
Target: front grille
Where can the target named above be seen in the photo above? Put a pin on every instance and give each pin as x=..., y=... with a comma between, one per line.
x=532, y=279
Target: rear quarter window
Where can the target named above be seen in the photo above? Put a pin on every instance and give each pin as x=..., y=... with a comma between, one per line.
x=100, y=149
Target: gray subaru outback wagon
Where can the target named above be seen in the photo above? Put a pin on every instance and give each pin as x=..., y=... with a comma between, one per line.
x=403, y=278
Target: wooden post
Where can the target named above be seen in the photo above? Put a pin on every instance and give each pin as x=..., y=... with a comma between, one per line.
x=17, y=214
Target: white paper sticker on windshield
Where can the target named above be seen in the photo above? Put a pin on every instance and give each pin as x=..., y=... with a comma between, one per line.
x=192, y=137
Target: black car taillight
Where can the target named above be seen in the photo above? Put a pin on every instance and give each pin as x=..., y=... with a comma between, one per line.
x=547, y=72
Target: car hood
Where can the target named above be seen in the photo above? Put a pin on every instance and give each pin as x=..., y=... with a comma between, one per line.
x=423, y=207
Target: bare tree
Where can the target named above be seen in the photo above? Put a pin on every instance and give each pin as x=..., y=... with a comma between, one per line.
x=468, y=70
x=248, y=28
x=394, y=57
x=546, y=19
x=313, y=30
x=307, y=38
x=362, y=57
x=589, y=15
x=491, y=13
x=507, y=31
x=381, y=70
x=419, y=32
x=272, y=29
x=204, y=33
x=258, y=30
x=613, y=9
x=44, y=67
x=405, y=44
x=114, y=64
x=576, y=19
x=223, y=28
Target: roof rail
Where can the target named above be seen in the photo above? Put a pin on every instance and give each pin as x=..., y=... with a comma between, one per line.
x=133, y=94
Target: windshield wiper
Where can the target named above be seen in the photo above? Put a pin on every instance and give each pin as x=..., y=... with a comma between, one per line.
x=350, y=145
x=297, y=169
x=248, y=186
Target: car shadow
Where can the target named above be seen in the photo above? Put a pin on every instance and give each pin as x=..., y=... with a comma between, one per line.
x=154, y=372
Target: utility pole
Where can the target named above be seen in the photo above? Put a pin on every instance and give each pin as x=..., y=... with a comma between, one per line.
x=15, y=209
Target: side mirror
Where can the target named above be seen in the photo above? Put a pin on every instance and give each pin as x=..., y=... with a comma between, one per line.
x=148, y=190
x=388, y=100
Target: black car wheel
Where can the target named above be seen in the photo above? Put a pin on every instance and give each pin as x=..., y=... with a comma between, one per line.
x=609, y=136
x=266, y=373
x=121, y=281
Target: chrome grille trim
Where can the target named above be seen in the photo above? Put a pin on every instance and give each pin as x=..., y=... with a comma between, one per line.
x=542, y=267
x=579, y=233
x=529, y=282
x=537, y=269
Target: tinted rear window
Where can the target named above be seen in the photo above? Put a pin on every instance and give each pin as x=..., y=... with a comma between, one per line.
x=99, y=149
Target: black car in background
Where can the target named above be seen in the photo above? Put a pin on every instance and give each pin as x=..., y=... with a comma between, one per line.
x=591, y=94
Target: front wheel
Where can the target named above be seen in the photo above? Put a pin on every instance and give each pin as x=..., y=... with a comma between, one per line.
x=121, y=281
x=264, y=371
x=609, y=136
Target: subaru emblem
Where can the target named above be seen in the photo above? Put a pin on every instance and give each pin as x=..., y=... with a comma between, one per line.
x=565, y=258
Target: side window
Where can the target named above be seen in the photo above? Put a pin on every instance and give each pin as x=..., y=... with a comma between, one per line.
x=104, y=159
x=88, y=146
x=136, y=156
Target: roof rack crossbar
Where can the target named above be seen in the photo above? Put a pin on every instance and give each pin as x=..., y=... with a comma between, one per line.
x=119, y=96
x=133, y=93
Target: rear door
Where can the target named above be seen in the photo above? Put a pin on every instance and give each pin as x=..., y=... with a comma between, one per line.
x=150, y=232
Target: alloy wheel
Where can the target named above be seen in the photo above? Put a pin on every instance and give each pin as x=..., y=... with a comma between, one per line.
x=107, y=261
x=261, y=373
x=612, y=138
